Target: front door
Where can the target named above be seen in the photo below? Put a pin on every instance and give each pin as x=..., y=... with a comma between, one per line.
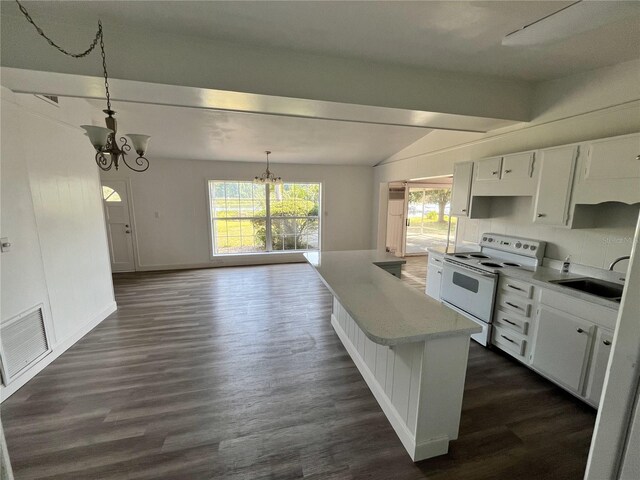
x=115, y=199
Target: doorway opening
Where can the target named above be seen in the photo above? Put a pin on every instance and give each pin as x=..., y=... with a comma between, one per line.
x=418, y=216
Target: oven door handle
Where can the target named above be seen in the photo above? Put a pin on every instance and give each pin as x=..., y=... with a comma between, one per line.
x=468, y=271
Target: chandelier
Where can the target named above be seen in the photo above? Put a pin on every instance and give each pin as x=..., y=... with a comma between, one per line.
x=108, y=152
x=267, y=177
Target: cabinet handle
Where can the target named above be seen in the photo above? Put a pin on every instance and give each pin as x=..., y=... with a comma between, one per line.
x=515, y=288
x=579, y=330
x=513, y=305
x=495, y=172
x=509, y=322
x=464, y=210
x=637, y=157
x=439, y=272
x=540, y=215
x=606, y=342
x=507, y=339
x=507, y=171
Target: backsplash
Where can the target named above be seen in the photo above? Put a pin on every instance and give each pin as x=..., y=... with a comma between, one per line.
x=595, y=247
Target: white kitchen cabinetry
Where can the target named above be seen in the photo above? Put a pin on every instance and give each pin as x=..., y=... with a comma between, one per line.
x=599, y=361
x=610, y=171
x=488, y=169
x=434, y=275
x=461, y=193
x=509, y=175
x=551, y=203
x=562, y=347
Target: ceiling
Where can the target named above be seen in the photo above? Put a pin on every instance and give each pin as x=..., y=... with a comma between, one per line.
x=440, y=35
x=201, y=134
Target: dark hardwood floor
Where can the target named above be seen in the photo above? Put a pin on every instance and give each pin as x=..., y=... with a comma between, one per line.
x=236, y=373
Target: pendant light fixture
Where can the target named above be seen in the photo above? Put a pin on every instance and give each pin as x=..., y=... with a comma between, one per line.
x=108, y=152
x=267, y=177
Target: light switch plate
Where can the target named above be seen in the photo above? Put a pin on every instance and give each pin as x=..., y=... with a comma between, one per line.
x=5, y=244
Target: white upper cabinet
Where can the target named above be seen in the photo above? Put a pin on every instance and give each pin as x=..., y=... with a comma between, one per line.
x=551, y=202
x=488, y=169
x=460, y=195
x=508, y=175
x=610, y=171
x=517, y=166
x=613, y=158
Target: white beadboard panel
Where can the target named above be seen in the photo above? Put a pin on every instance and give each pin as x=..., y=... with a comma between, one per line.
x=418, y=385
x=381, y=364
x=402, y=379
x=51, y=210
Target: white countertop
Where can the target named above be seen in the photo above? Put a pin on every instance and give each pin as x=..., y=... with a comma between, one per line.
x=542, y=276
x=387, y=310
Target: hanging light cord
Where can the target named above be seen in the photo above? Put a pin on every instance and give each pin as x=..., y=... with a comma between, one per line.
x=99, y=37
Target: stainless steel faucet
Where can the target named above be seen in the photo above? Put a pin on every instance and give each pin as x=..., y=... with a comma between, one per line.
x=619, y=259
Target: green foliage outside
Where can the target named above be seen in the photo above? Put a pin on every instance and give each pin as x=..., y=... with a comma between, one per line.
x=441, y=197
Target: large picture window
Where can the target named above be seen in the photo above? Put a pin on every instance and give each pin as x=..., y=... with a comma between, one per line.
x=252, y=218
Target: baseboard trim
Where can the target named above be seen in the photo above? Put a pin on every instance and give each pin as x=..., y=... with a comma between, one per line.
x=417, y=452
x=231, y=261
x=57, y=350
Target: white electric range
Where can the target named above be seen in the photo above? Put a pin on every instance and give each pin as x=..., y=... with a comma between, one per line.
x=469, y=279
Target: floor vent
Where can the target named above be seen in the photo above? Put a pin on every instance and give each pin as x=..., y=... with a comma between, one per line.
x=23, y=341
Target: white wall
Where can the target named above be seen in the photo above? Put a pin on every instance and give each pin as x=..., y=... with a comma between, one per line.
x=52, y=213
x=176, y=189
x=597, y=104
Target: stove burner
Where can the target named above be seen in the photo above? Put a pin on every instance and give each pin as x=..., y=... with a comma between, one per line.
x=478, y=255
x=491, y=264
x=459, y=255
x=511, y=264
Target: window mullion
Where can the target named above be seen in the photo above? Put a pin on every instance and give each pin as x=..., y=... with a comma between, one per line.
x=269, y=244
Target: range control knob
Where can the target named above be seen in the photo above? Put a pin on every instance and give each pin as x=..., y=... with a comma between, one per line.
x=533, y=247
x=518, y=245
x=490, y=239
x=484, y=239
x=526, y=246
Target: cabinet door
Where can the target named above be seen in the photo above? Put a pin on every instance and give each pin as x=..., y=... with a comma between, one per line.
x=561, y=347
x=599, y=361
x=554, y=185
x=488, y=169
x=614, y=158
x=434, y=277
x=517, y=166
x=462, y=173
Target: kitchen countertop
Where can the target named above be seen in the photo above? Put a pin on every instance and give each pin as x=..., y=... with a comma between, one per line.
x=542, y=276
x=386, y=310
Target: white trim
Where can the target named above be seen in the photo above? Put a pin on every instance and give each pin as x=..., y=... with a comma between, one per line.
x=59, y=349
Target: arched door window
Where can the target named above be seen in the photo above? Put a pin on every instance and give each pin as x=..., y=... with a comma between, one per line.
x=110, y=195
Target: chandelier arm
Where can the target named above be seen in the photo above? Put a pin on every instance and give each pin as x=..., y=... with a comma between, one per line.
x=102, y=161
x=92, y=46
x=142, y=164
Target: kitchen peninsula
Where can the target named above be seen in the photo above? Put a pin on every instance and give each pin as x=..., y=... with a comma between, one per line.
x=411, y=350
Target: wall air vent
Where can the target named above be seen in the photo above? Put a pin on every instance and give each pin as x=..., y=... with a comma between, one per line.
x=23, y=341
x=53, y=99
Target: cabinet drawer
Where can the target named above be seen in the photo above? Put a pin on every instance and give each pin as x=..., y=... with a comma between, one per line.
x=512, y=321
x=516, y=287
x=508, y=341
x=436, y=260
x=488, y=169
x=514, y=304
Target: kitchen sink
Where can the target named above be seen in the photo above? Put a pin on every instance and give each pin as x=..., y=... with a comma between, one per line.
x=593, y=286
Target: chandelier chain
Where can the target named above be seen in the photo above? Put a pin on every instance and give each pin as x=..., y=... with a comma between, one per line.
x=99, y=37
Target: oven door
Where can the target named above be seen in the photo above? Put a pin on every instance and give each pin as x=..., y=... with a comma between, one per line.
x=470, y=291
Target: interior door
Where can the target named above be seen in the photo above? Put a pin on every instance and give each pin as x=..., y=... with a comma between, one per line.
x=115, y=198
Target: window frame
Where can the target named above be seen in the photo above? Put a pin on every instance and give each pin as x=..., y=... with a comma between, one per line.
x=268, y=238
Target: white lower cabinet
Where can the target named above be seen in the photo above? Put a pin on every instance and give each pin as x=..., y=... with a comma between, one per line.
x=599, y=361
x=566, y=339
x=562, y=347
x=434, y=275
